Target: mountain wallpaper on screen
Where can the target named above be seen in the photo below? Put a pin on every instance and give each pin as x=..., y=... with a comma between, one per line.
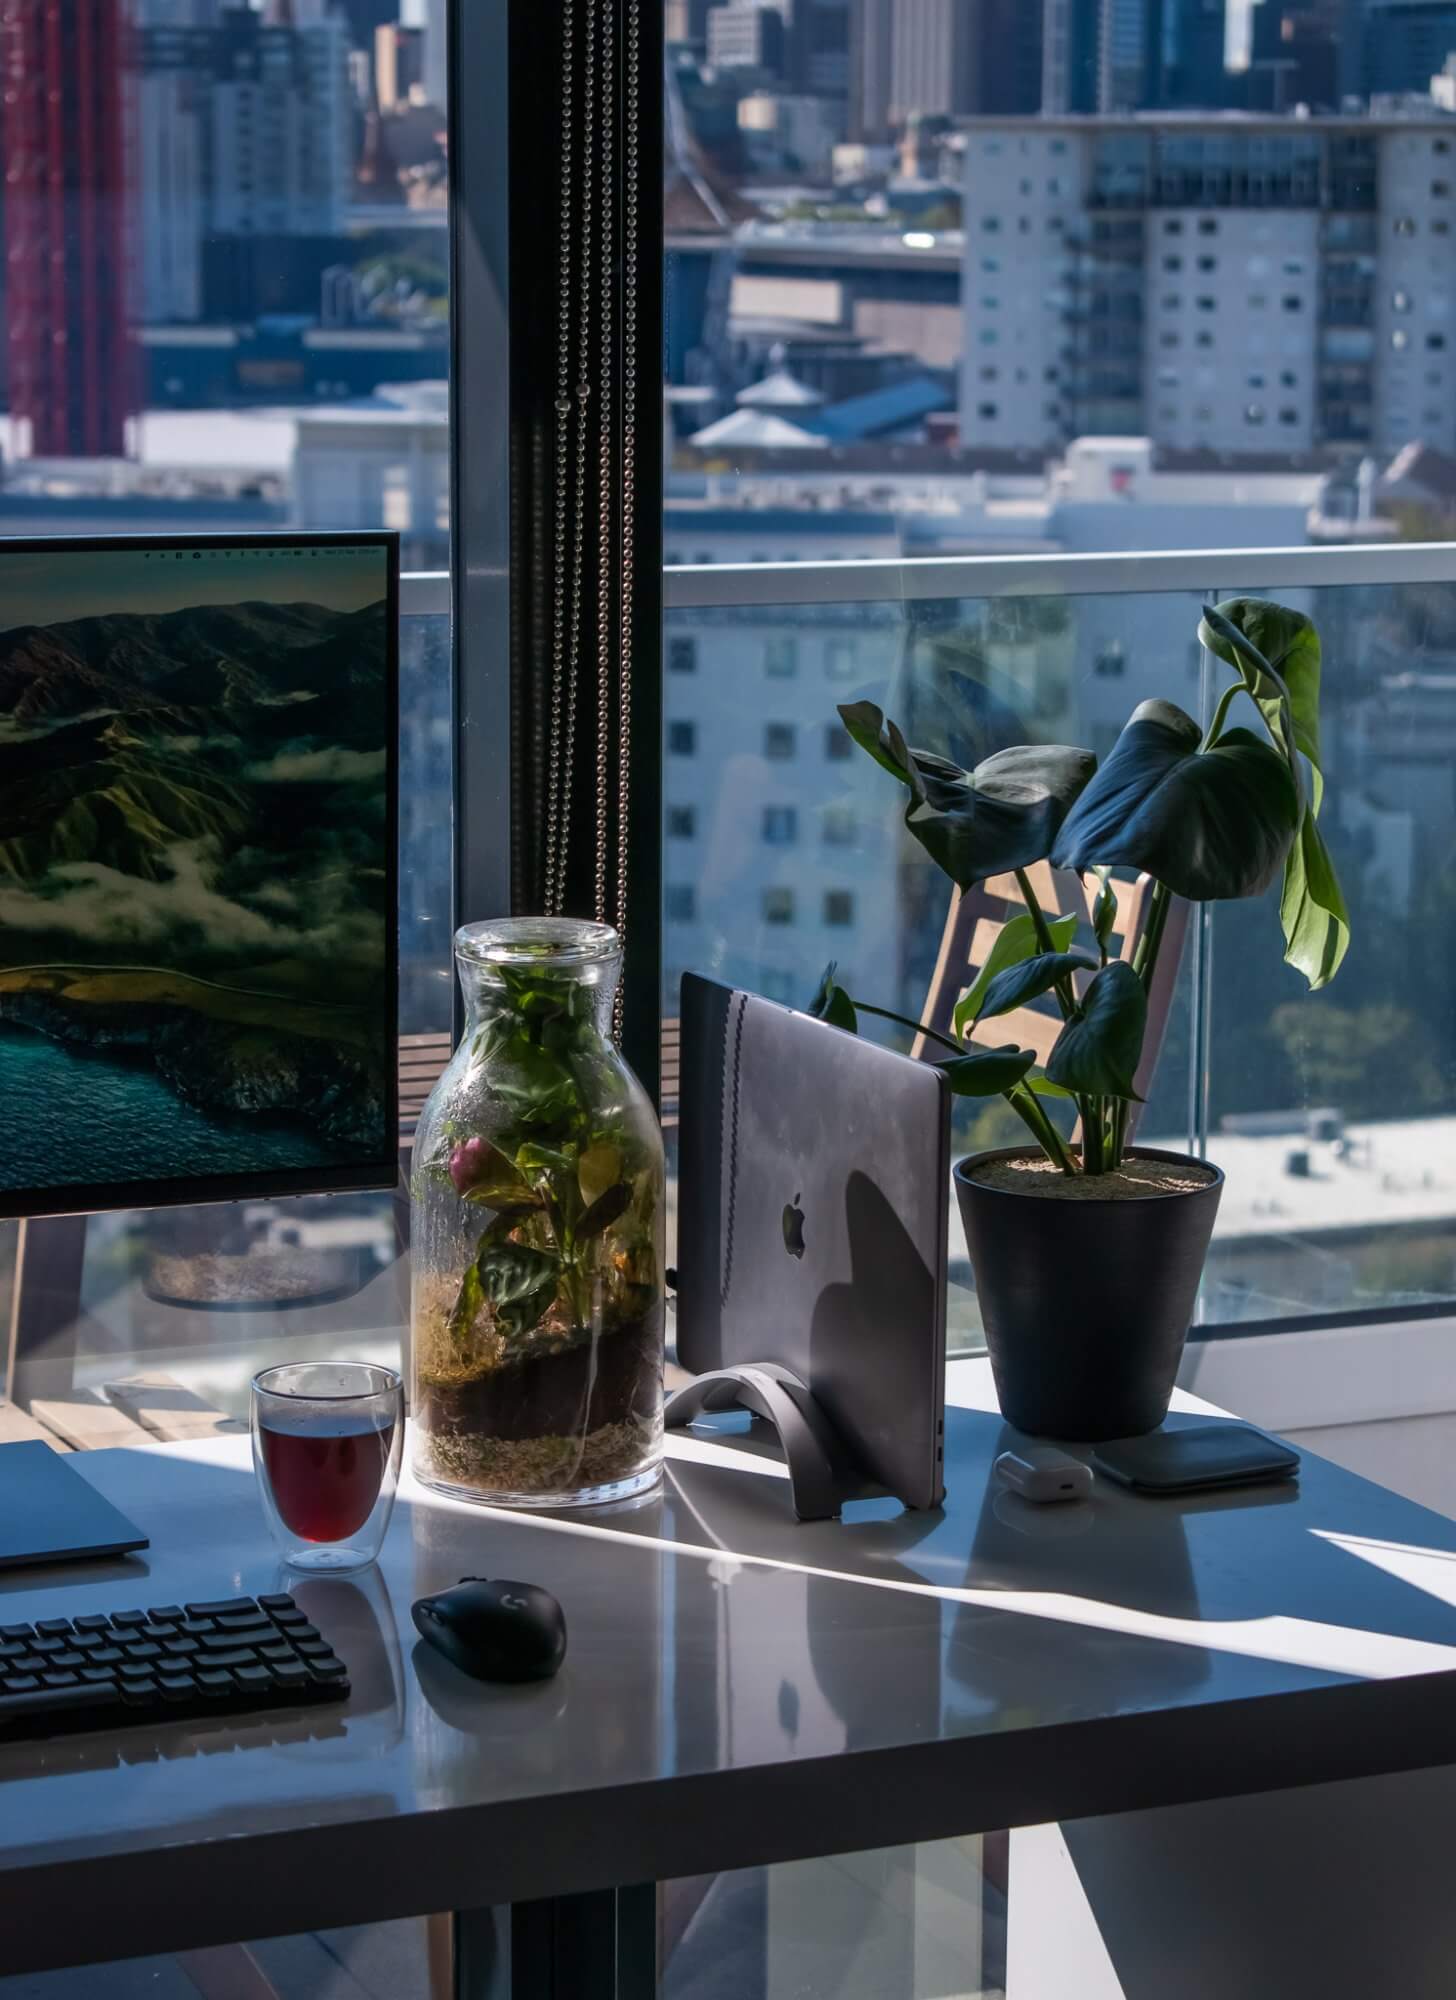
x=194, y=888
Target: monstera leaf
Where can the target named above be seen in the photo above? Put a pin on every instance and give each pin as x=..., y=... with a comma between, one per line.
x=832, y=1004
x=985, y=1072
x=1098, y=1051
x=1002, y=815
x=1213, y=824
x=1276, y=653
x=1033, y=977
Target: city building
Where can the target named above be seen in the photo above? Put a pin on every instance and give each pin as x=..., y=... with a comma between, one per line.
x=743, y=35
x=399, y=64
x=70, y=362
x=1405, y=43
x=1233, y=285
x=786, y=133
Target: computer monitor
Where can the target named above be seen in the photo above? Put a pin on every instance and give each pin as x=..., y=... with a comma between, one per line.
x=812, y=1219
x=198, y=873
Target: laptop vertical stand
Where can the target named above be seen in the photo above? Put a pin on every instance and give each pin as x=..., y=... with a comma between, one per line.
x=822, y=1473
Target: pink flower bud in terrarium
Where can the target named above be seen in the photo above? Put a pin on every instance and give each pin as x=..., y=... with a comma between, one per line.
x=468, y=1164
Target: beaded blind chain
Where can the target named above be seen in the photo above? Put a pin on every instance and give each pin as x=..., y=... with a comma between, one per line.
x=587, y=231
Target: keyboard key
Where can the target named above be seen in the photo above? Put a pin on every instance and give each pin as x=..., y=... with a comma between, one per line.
x=51, y=1627
x=98, y=1675
x=50, y=1642
x=68, y=1659
x=94, y=1623
x=88, y=1642
x=166, y=1614
x=251, y=1679
x=289, y=1620
x=279, y=1600
x=227, y=1642
x=57, y=1679
x=28, y=1663
x=195, y=1628
x=179, y=1648
x=139, y=1694
x=226, y=1607
x=13, y=1649
x=122, y=1619
x=17, y=1631
x=245, y=1621
x=20, y=1683
x=314, y=1649
x=106, y=1656
x=212, y=1680
x=176, y=1687
x=142, y=1649
x=304, y=1634
x=52, y=1700
x=291, y=1673
x=240, y=1656
x=327, y=1670
x=279, y=1650
x=134, y=1670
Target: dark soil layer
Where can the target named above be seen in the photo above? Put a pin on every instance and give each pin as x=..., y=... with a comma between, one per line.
x=1134, y=1180
x=616, y=1380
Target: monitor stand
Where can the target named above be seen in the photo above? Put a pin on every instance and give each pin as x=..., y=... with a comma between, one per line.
x=822, y=1473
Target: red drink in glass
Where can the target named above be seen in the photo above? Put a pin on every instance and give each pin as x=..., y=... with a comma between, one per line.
x=326, y=1480
x=327, y=1437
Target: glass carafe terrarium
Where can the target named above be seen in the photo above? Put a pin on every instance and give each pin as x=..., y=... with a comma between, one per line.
x=537, y=1289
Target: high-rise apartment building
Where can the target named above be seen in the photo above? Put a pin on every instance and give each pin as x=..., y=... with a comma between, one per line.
x=1405, y=43
x=72, y=374
x=1242, y=286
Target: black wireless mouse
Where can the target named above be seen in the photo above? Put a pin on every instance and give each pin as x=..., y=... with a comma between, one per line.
x=495, y=1631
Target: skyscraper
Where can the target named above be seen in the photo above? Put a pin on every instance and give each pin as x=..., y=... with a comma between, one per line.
x=1071, y=56
x=71, y=363
x=871, y=49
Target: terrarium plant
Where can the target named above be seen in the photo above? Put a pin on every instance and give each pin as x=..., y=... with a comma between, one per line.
x=1208, y=814
x=538, y=1285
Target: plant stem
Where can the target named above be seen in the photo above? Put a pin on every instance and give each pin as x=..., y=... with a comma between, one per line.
x=1093, y=1154
x=1066, y=998
x=1220, y=715
x=1033, y=1114
x=904, y=1021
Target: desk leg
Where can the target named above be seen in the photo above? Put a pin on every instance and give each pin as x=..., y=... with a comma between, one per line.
x=601, y=1946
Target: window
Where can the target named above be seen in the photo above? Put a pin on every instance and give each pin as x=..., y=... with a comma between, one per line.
x=780, y=825
x=838, y=744
x=1258, y=300
x=1255, y=381
x=839, y=659
x=1404, y=225
x=1253, y=413
x=778, y=906
x=1440, y=190
x=990, y=302
x=991, y=373
x=1292, y=302
x=781, y=657
x=682, y=822
x=1435, y=340
x=1171, y=301
x=682, y=655
x=1401, y=301
x=1205, y=304
x=837, y=825
x=1173, y=226
x=1288, y=416
x=989, y=337
x=680, y=903
x=1204, y=339
x=1207, y=263
x=1208, y=225
x=1110, y=660
x=986, y=411
x=1172, y=263
x=778, y=741
x=838, y=906
x=991, y=224
x=1171, y=339
x=990, y=264
x=1400, y=338
x=1288, y=379
x=682, y=738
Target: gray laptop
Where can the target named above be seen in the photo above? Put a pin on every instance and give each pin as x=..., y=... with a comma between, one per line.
x=812, y=1211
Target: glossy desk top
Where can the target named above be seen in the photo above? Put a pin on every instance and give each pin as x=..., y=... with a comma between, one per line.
x=739, y=1688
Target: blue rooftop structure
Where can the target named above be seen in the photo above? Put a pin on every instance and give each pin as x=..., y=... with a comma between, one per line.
x=880, y=411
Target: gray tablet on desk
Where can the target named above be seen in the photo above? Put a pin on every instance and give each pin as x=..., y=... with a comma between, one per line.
x=812, y=1212
x=48, y=1513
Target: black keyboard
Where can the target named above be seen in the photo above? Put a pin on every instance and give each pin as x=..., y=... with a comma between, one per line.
x=171, y=1661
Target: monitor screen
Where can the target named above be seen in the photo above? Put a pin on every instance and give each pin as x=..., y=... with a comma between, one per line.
x=197, y=869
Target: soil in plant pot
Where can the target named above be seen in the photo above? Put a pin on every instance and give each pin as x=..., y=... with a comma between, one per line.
x=1134, y=1180
x=580, y=1414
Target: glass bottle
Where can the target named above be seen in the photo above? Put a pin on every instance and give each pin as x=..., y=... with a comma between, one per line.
x=537, y=1301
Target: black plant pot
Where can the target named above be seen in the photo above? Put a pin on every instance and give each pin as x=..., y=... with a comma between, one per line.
x=1085, y=1304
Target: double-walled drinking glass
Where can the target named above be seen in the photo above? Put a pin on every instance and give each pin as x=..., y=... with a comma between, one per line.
x=327, y=1440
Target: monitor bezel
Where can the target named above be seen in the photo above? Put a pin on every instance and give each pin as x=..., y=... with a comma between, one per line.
x=362, y=1176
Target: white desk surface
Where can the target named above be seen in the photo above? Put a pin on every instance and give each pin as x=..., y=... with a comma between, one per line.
x=739, y=1689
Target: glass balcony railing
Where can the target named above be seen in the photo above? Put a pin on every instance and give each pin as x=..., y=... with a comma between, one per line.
x=1333, y=1113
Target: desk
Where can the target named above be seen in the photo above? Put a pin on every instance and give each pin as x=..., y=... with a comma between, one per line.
x=739, y=1690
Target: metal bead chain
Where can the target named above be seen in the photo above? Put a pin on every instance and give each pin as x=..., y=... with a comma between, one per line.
x=583, y=396
x=604, y=467
x=563, y=418
x=629, y=443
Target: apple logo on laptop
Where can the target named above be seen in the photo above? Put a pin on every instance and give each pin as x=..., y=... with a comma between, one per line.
x=794, y=1228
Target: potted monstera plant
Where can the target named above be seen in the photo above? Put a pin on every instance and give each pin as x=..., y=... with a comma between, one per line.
x=1088, y=1250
